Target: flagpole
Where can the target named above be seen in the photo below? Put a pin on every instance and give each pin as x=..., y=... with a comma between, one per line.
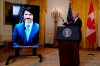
x=91, y=50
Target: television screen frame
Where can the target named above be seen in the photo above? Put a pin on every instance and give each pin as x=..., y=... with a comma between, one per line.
x=16, y=17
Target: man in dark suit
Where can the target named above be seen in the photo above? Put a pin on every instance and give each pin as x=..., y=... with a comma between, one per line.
x=76, y=22
x=27, y=32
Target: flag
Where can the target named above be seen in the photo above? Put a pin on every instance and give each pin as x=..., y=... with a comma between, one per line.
x=91, y=30
x=69, y=16
x=21, y=18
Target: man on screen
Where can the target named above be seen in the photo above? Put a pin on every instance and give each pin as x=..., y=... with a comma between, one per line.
x=27, y=32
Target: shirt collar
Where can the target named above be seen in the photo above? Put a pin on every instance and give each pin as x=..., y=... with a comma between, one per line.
x=76, y=18
x=28, y=24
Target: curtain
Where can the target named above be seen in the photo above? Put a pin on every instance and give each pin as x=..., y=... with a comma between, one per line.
x=82, y=6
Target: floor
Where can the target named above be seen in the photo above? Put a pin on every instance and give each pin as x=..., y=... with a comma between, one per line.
x=7, y=51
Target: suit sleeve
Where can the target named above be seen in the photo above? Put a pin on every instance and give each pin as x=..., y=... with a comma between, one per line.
x=36, y=37
x=15, y=37
x=65, y=24
x=80, y=23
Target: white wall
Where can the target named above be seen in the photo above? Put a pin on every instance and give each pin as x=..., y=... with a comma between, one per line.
x=62, y=6
x=6, y=30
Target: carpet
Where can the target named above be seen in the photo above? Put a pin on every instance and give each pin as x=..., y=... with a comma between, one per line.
x=52, y=59
x=90, y=60
x=22, y=61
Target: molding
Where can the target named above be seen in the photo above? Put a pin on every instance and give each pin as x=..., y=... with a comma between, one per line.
x=48, y=45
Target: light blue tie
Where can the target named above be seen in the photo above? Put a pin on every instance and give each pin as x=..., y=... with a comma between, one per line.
x=27, y=31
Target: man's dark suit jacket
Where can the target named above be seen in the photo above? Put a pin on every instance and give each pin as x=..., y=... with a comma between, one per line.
x=78, y=23
x=19, y=36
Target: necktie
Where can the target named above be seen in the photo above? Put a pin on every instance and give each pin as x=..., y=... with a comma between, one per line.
x=27, y=31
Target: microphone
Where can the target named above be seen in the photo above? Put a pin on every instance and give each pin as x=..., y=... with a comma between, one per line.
x=24, y=28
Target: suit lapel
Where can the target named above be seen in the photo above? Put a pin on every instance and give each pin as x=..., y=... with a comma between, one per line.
x=76, y=21
x=24, y=34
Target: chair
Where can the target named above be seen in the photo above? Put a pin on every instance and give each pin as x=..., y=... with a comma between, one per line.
x=17, y=54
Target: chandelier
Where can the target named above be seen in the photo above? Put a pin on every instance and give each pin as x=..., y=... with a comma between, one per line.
x=55, y=14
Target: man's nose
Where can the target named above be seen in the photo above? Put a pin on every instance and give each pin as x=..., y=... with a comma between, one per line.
x=28, y=16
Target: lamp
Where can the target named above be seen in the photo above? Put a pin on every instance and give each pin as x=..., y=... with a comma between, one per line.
x=55, y=15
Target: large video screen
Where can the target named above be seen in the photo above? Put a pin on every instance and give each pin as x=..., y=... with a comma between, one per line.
x=25, y=20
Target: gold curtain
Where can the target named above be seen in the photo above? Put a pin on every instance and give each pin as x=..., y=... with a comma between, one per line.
x=82, y=6
x=43, y=9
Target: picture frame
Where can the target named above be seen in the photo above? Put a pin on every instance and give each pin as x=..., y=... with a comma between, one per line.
x=7, y=13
